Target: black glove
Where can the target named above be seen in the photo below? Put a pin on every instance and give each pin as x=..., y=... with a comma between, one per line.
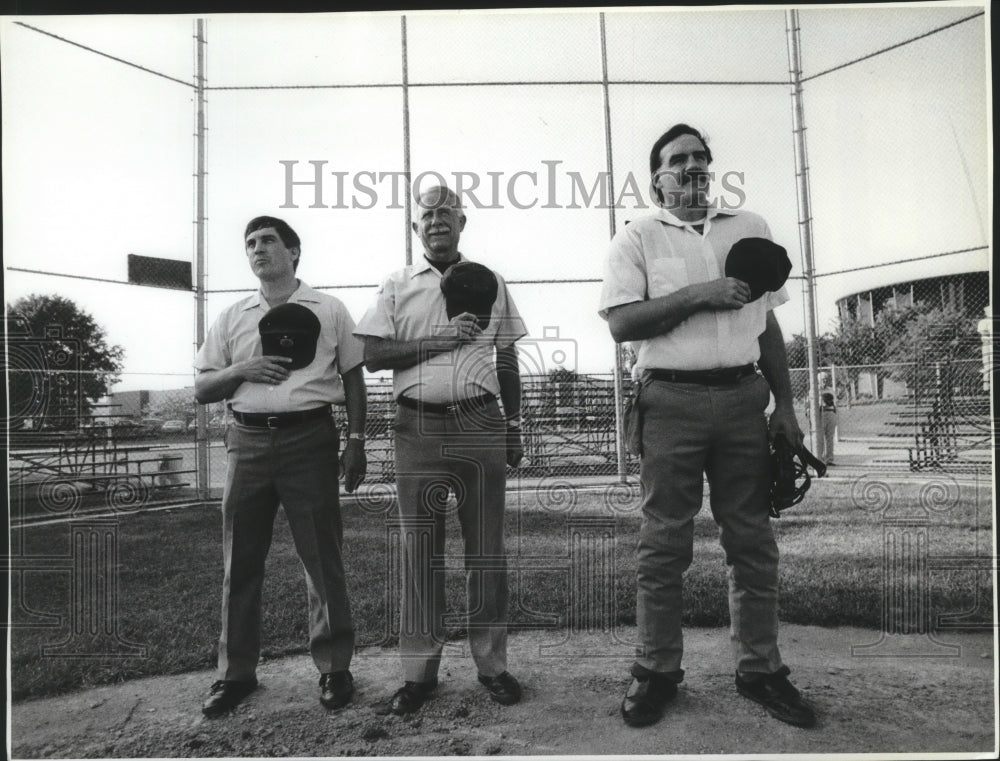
x=790, y=478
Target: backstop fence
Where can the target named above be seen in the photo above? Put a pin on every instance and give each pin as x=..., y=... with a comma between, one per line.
x=544, y=122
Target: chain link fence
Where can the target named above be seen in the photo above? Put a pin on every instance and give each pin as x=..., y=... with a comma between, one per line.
x=908, y=361
x=926, y=406
x=68, y=455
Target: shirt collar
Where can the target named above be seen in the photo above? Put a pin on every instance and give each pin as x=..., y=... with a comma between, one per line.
x=300, y=294
x=424, y=265
x=666, y=216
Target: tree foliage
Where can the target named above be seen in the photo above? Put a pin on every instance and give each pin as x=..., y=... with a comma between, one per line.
x=178, y=407
x=906, y=344
x=798, y=357
x=59, y=363
x=922, y=342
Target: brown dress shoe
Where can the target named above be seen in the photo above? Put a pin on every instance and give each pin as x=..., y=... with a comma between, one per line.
x=336, y=689
x=648, y=695
x=503, y=688
x=411, y=696
x=225, y=696
x=645, y=700
x=778, y=696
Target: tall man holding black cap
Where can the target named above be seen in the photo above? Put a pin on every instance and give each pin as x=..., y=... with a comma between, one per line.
x=700, y=335
x=447, y=328
x=281, y=357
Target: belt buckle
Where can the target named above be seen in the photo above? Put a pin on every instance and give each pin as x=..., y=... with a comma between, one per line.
x=272, y=421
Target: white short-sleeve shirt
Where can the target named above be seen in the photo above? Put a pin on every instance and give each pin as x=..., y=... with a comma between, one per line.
x=409, y=306
x=660, y=254
x=235, y=337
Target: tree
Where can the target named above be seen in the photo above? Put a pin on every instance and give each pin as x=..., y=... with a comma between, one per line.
x=562, y=387
x=859, y=348
x=178, y=406
x=931, y=349
x=798, y=358
x=908, y=344
x=59, y=363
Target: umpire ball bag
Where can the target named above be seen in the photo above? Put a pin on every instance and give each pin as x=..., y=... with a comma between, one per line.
x=470, y=287
x=290, y=330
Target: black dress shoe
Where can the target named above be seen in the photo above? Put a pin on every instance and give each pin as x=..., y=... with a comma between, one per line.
x=503, y=688
x=225, y=696
x=778, y=696
x=336, y=689
x=646, y=698
x=411, y=696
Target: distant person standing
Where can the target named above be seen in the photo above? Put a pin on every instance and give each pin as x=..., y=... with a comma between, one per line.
x=827, y=429
x=281, y=357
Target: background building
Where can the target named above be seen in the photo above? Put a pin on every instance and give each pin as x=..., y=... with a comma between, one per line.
x=967, y=292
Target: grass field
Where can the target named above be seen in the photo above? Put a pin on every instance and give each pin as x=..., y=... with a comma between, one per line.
x=169, y=572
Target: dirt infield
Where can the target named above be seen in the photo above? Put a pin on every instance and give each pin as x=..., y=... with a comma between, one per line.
x=919, y=696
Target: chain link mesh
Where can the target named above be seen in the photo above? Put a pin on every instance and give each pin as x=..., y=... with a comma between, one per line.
x=909, y=362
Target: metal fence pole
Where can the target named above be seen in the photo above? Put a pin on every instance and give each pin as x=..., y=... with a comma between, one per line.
x=619, y=431
x=408, y=236
x=201, y=412
x=805, y=214
x=833, y=382
x=619, y=417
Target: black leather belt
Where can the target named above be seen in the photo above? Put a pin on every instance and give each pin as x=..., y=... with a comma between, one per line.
x=720, y=376
x=279, y=419
x=465, y=405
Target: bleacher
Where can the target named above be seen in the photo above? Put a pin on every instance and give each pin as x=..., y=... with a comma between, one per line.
x=950, y=434
x=94, y=459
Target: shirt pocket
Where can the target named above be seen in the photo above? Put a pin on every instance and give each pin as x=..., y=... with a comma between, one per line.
x=666, y=276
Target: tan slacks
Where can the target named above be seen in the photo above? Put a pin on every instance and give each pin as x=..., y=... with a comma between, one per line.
x=296, y=467
x=690, y=431
x=464, y=454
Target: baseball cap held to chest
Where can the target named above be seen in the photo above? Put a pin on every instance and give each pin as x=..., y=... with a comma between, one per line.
x=760, y=263
x=470, y=287
x=290, y=330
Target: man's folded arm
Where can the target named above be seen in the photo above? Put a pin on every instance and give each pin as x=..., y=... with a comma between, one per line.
x=216, y=385
x=391, y=354
x=655, y=317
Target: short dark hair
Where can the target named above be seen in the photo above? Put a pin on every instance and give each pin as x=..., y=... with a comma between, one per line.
x=288, y=236
x=668, y=137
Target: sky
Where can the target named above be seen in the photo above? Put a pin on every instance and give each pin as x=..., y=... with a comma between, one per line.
x=99, y=156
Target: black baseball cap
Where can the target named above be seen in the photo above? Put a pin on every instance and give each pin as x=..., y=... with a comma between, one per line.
x=470, y=287
x=290, y=330
x=760, y=263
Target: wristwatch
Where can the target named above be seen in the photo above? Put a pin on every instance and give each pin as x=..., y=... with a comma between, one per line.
x=358, y=436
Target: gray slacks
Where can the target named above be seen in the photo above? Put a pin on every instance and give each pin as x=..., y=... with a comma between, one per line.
x=296, y=467
x=828, y=435
x=721, y=432
x=464, y=453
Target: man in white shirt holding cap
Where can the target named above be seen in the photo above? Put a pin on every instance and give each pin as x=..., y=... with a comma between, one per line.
x=700, y=336
x=280, y=358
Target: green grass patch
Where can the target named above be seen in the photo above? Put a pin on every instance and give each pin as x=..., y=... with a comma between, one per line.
x=568, y=569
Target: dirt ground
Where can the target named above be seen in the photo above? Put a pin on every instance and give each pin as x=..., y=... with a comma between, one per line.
x=916, y=695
